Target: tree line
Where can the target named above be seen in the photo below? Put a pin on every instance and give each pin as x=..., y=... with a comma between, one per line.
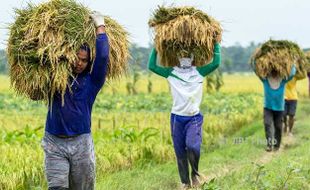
x=235, y=58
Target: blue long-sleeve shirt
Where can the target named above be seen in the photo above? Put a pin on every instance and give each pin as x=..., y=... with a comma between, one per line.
x=74, y=117
x=274, y=98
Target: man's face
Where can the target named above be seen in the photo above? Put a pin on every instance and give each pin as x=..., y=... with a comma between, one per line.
x=80, y=65
x=274, y=74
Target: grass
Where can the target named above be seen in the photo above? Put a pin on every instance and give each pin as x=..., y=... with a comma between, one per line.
x=133, y=137
x=165, y=176
x=233, y=83
x=239, y=162
x=287, y=169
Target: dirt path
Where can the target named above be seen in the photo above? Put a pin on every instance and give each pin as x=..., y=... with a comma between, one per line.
x=266, y=157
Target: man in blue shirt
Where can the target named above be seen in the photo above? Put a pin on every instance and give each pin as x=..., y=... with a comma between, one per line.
x=274, y=106
x=67, y=143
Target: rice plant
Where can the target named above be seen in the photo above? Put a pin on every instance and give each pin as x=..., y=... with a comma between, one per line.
x=279, y=56
x=43, y=43
x=183, y=32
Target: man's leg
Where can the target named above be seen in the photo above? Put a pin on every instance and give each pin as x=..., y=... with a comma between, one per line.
x=268, y=117
x=193, y=144
x=285, y=123
x=277, y=116
x=285, y=114
x=82, y=159
x=291, y=123
x=178, y=136
x=56, y=163
x=292, y=112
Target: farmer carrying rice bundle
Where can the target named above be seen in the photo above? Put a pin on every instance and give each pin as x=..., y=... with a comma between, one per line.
x=291, y=99
x=308, y=71
x=187, y=42
x=275, y=63
x=291, y=94
x=44, y=40
x=60, y=50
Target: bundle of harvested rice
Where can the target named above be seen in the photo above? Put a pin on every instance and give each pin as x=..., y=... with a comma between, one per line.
x=279, y=56
x=182, y=32
x=44, y=40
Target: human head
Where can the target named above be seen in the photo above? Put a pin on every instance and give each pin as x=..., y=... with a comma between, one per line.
x=186, y=62
x=83, y=62
x=274, y=73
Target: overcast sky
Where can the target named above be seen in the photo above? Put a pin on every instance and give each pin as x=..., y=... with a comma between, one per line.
x=243, y=20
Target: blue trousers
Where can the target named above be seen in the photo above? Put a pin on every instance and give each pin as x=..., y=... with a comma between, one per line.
x=186, y=134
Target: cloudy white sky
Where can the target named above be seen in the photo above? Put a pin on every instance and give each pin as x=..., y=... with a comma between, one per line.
x=243, y=20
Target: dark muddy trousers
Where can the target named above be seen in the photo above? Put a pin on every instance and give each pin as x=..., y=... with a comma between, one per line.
x=275, y=118
x=186, y=135
x=69, y=163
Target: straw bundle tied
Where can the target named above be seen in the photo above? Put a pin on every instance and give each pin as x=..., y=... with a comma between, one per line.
x=182, y=31
x=279, y=56
x=44, y=40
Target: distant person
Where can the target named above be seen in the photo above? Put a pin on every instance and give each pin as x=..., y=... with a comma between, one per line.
x=186, y=83
x=309, y=83
x=291, y=98
x=69, y=157
x=274, y=87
